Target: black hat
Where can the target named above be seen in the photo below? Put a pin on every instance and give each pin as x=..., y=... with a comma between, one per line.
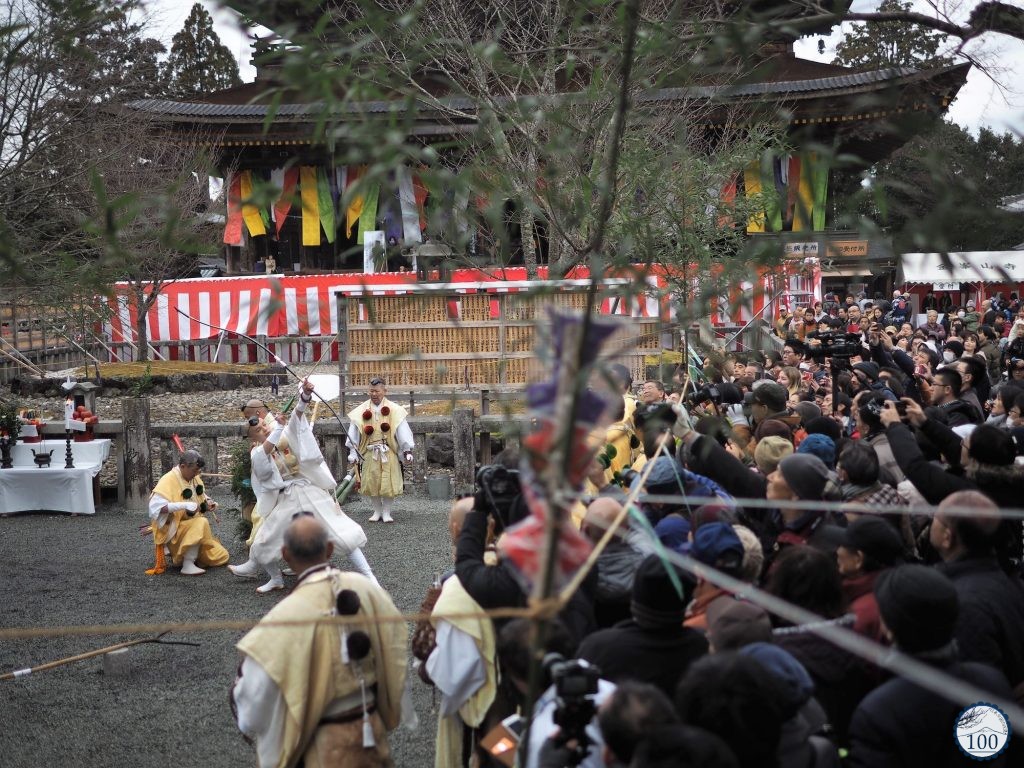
x=877, y=539
x=771, y=395
x=869, y=369
x=824, y=425
x=919, y=605
x=656, y=603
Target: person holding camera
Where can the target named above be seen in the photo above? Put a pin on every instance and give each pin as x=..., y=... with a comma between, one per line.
x=565, y=712
x=495, y=585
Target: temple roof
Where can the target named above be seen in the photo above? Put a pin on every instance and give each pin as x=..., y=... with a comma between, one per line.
x=854, y=103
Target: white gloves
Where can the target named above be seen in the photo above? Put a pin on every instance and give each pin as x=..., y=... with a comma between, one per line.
x=182, y=506
x=408, y=456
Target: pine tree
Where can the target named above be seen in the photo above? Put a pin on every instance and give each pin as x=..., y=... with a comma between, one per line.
x=891, y=43
x=199, y=62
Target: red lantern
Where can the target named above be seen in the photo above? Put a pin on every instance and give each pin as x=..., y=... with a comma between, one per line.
x=368, y=429
x=385, y=411
x=367, y=414
x=385, y=427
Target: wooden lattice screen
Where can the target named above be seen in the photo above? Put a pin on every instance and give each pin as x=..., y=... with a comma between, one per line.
x=452, y=340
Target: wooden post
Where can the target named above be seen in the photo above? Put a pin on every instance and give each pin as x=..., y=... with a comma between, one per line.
x=485, y=437
x=342, y=302
x=135, y=481
x=261, y=352
x=208, y=450
x=464, y=453
x=419, y=458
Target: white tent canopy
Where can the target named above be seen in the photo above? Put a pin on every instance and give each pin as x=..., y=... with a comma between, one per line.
x=962, y=267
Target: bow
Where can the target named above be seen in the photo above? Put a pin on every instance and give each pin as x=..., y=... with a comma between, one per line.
x=283, y=364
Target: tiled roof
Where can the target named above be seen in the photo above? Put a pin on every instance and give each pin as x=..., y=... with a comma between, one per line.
x=777, y=89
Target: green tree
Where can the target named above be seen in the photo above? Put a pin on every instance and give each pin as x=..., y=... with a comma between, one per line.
x=942, y=191
x=199, y=62
x=891, y=43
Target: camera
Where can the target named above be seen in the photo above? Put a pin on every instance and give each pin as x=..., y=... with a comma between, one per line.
x=576, y=684
x=705, y=394
x=836, y=345
x=498, y=493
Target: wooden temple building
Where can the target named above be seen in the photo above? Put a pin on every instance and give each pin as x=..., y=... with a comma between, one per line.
x=867, y=114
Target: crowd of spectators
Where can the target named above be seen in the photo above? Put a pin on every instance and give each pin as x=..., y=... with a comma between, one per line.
x=868, y=474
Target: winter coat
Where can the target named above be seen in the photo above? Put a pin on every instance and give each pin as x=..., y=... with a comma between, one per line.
x=900, y=725
x=616, y=568
x=658, y=656
x=839, y=677
x=858, y=591
x=972, y=320
x=990, y=627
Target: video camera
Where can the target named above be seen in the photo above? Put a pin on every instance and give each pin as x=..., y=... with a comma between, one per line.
x=710, y=393
x=498, y=491
x=576, y=685
x=836, y=345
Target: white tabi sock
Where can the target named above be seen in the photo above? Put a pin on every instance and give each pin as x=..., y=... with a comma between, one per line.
x=188, y=563
x=386, y=503
x=377, y=503
x=276, y=579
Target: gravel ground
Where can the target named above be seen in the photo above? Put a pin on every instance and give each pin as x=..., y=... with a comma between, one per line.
x=171, y=709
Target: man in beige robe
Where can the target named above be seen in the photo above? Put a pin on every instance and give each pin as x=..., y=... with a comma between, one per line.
x=298, y=694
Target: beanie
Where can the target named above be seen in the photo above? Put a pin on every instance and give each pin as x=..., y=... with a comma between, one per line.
x=877, y=538
x=919, y=605
x=793, y=683
x=869, y=369
x=821, y=446
x=656, y=603
x=806, y=475
x=770, y=451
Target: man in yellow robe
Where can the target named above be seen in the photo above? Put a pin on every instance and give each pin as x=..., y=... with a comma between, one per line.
x=379, y=430
x=316, y=693
x=181, y=531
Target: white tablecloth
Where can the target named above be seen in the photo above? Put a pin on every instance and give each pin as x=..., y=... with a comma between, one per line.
x=90, y=452
x=30, y=489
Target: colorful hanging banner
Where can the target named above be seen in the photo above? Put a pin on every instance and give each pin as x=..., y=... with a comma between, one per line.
x=819, y=191
x=286, y=180
x=804, y=204
x=410, y=210
x=326, y=203
x=419, y=190
x=310, y=205
x=368, y=216
x=250, y=213
x=752, y=187
x=355, y=207
x=233, y=224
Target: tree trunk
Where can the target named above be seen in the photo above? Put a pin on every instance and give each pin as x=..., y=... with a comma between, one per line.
x=526, y=230
x=142, y=306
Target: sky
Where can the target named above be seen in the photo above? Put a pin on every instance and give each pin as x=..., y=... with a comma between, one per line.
x=981, y=102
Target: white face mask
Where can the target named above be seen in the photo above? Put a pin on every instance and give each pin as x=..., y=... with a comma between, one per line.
x=1010, y=421
x=961, y=313
x=948, y=357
